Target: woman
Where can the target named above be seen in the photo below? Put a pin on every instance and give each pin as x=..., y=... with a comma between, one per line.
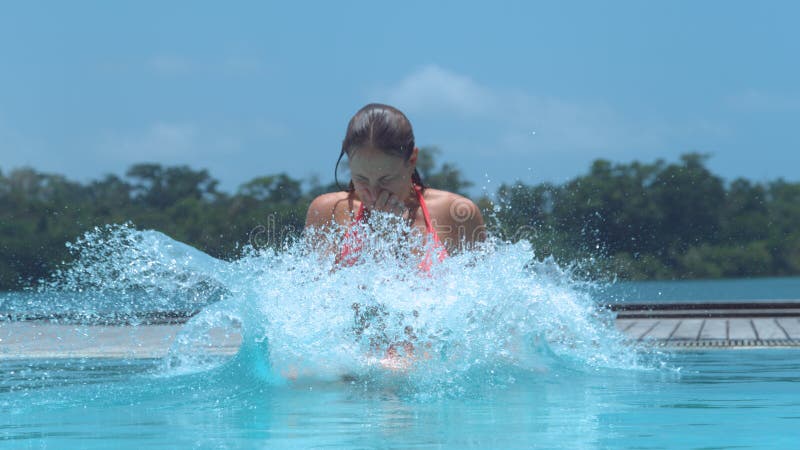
x=380, y=150
x=382, y=156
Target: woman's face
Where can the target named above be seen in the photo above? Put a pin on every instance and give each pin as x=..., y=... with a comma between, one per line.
x=374, y=171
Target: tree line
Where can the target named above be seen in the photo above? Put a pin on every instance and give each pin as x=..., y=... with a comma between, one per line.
x=661, y=221
x=638, y=220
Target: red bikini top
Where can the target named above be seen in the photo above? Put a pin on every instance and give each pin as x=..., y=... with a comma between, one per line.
x=352, y=243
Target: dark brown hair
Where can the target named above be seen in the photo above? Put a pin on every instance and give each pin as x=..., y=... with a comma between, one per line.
x=381, y=127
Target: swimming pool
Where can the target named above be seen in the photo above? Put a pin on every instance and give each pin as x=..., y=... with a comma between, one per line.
x=718, y=399
x=512, y=354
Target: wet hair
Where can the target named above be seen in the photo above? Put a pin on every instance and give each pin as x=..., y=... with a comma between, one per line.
x=381, y=127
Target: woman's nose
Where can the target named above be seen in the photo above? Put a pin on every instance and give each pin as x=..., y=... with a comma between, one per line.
x=373, y=191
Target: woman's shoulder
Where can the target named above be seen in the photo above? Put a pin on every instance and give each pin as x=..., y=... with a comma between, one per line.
x=445, y=204
x=437, y=198
x=457, y=219
x=330, y=198
x=327, y=208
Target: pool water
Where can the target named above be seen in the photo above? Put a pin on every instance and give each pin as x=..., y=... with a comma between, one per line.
x=718, y=399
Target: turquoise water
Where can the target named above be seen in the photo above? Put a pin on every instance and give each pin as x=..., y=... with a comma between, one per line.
x=720, y=399
x=740, y=290
x=505, y=352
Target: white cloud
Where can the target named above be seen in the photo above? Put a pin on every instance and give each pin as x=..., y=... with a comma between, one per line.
x=187, y=142
x=161, y=141
x=242, y=65
x=754, y=100
x=438, y=90
x=521, y=122
x=170, y=64
x=234, y=151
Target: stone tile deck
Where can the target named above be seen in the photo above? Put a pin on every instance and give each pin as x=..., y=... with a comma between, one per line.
x=37, y=339
x=758, y=324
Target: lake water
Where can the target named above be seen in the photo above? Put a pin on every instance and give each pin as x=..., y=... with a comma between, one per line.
x=740, y=290
x=490, y=350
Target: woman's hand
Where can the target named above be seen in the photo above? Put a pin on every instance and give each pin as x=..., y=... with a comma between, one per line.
x=388, y=202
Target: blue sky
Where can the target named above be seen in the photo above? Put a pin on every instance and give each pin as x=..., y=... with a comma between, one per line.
x=508, y=90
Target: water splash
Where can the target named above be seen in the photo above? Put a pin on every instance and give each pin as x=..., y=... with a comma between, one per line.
x=480, y=318
x=120, y=273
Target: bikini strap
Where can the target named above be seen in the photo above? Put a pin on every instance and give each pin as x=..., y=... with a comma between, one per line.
x=360, y=214
x=441, y=254
x=428, y=224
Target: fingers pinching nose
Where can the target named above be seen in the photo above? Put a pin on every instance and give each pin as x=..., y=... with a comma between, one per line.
x=387, y=202
x=382, y=200
x=398, y=205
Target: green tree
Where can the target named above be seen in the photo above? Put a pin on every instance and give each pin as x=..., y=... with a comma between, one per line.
x=273, y=189
x=522, y=208
x=612, y=206
x=691, y=200
x=745, y=214
x=652, y=220
x=161, y=187
x=445, y=176
x=783, y=210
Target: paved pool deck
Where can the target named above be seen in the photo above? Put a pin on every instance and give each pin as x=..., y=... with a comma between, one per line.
x=715, y=324
x=671, y=325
